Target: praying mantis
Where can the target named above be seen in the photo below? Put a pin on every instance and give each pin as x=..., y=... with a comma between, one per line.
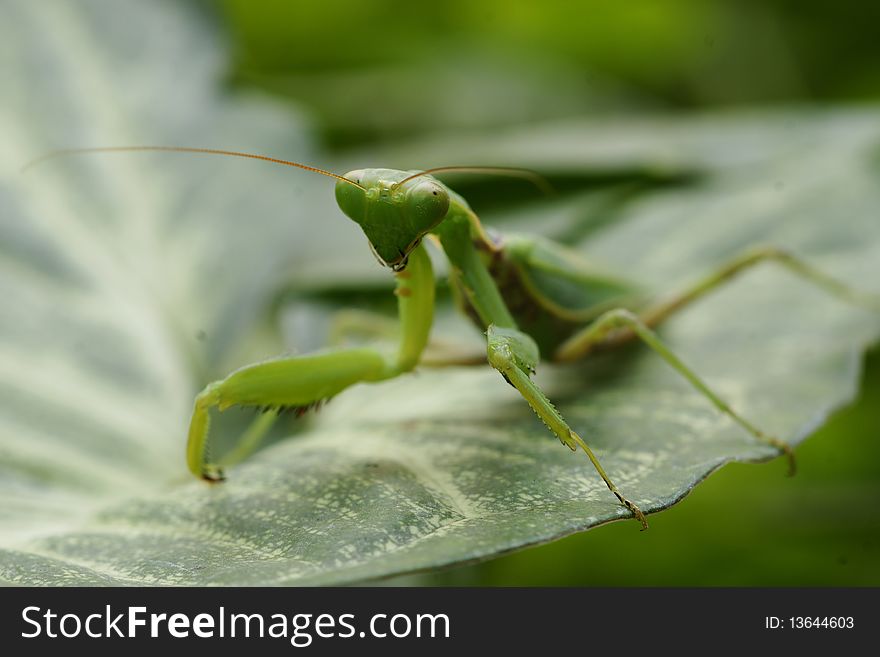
x=532, y=298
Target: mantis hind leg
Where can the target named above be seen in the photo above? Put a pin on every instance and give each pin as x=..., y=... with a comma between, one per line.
x=607, y=326
x=659, y=311
x=582, y=343
x=620, y=326
x=515, y=356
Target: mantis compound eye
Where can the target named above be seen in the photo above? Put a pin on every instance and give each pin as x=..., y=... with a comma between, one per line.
x=352, y=199
x=427, y=202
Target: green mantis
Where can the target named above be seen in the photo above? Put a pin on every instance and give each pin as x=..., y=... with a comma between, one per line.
x=533, y=300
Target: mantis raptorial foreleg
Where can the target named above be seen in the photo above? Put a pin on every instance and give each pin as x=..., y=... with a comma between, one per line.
x=301, y=382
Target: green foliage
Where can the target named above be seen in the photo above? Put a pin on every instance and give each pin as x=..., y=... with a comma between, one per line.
x=129, y=281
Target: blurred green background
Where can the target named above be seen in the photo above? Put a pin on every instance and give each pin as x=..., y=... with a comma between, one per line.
x=384, y=72
x=389, y=70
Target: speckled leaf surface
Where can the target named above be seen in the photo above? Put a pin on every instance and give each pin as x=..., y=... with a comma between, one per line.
x=127, y=282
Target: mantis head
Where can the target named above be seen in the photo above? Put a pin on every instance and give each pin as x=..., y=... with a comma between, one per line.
x=394, y=208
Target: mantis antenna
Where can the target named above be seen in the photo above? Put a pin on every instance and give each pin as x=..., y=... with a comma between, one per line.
x=182, y=149
x=535, y=178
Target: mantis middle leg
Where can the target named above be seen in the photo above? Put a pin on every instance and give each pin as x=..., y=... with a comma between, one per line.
x=621, y=319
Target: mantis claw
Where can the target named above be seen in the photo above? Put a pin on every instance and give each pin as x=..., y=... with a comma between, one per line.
x=213, y=475
x=638, y=515
x=785, y=450
x=636, y=511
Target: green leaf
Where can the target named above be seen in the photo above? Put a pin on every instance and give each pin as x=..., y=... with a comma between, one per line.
x=129, y=281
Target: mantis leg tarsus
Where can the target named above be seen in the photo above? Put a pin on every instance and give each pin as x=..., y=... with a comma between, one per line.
x=615, y=322
x=786, y=450
x=637, y=513
x=635, y=510
x=514, y=355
